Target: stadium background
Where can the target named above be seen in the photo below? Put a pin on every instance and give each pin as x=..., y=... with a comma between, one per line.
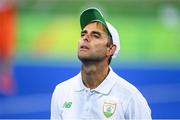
x=47, y=32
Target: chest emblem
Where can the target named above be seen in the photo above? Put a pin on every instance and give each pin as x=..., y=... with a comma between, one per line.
x=109, y=108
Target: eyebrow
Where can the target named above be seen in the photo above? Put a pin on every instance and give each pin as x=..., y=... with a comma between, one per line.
x=93, y=32
x=83, y=31
x=96, y=32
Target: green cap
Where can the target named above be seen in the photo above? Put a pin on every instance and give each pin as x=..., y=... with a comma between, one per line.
x=89, y=15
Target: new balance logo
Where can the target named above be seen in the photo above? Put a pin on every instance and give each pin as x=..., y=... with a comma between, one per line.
x=67, y=104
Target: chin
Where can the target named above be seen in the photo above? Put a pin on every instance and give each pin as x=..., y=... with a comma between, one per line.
x=86, y=59
x=83, y=58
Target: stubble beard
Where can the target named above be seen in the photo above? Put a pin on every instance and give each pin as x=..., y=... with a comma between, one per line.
x=90, y=59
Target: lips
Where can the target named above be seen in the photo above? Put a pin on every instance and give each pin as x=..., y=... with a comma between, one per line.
x=84, y=47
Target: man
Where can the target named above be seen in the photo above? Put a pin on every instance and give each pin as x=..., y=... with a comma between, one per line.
x=97, y=92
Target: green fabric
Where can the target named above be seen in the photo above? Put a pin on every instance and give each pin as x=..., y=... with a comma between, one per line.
x=91, y=15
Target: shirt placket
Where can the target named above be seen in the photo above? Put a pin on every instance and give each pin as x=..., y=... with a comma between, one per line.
x=88, y=103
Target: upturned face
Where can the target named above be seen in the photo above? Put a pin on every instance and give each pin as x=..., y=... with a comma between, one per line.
x=93, y=44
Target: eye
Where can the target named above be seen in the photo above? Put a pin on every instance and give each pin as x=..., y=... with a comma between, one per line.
x=82, y=34
x=96, y=35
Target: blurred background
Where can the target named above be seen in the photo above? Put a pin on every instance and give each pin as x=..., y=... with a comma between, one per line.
x=38, y=47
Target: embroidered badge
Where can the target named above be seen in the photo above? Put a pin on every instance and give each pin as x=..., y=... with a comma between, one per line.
x=67, y=104
x=109, y=108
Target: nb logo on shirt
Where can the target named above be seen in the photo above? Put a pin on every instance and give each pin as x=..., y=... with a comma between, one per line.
x=67, y=104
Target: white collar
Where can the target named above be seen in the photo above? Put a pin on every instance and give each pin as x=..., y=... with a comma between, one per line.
x=104, y=88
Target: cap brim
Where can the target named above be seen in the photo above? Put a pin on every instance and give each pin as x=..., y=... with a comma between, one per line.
x=90, y=15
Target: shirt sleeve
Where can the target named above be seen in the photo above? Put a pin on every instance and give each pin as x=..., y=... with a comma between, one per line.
x=138, y=108
x=55, y=111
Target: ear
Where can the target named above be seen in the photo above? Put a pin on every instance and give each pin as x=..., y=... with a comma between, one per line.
x=111, y=49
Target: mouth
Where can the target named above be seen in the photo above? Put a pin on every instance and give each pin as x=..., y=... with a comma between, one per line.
x=84, y=48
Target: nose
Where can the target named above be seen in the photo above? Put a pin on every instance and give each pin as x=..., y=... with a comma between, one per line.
x=86, y=38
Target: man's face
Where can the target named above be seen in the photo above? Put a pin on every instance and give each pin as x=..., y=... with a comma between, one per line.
x=93, y=43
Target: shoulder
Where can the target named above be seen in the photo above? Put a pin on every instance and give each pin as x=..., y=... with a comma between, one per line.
x=133, y=100
x=67, y=84
x=65, y=87
x=127, y=91
x=124, y=86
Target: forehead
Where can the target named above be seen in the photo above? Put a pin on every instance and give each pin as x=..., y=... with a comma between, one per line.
x=96, y=26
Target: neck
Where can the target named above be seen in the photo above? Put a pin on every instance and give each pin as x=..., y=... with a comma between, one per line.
x=94, y=73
